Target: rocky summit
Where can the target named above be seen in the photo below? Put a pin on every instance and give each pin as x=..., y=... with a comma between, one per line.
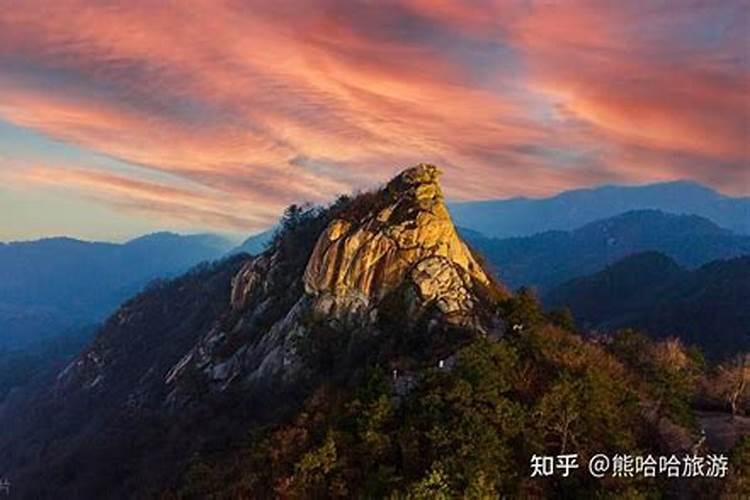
x=410, y=238
x=398, y=239
x=337, y=284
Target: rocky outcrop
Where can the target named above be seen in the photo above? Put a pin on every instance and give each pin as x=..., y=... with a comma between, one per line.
x=407, y=237
x=250, y=281
x=245, y=337
x=399, y=238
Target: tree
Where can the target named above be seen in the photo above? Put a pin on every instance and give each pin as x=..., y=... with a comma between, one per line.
x=522, y=311
x=434, y=486
x=464, y=421
x=668, y=372
x=563, y=318
x=559, y=412
x=733, y=382
x=292, y=216
x=317, y=473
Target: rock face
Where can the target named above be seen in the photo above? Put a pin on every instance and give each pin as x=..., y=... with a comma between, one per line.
x=410, y=237
x=231, y=338
x=400, y=238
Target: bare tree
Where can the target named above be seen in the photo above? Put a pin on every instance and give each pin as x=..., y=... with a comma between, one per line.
x=733, y=382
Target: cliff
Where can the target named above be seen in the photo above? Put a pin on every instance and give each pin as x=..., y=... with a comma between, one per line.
x=329, y=269
x=400, y=238
x=410, y=238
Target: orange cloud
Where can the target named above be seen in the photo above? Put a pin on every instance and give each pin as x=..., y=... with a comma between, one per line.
x=649, y=90
x=266, y=104
x=174, y=205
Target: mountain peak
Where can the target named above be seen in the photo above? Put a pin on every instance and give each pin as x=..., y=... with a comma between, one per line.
x=355, y=268
x=406, y=238
x=420, y=182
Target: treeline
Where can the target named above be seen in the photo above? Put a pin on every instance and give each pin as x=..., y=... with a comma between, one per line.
x=467, y=426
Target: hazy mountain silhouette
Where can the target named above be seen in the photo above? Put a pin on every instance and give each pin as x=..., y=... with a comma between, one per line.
x=255, y=244
x=706, y=306
x=49, y=285
x=553, y=257
x=572, y=209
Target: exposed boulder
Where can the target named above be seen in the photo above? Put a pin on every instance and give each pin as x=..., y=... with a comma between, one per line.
x=401, y=237
x=410, y=237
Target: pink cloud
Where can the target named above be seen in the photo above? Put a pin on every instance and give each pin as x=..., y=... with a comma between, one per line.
x=173, y=205
x=267, y=104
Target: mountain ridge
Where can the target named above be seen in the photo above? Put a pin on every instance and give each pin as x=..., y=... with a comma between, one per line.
x=550, y=258
x=45, y=290
x=650, y=291
x=571, y=209
x=259, y=325
x=364, y=353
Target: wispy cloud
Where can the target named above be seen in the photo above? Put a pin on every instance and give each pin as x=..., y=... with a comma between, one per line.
x=261, y=104
x=148, y=198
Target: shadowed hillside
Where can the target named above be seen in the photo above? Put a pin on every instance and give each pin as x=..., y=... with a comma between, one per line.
x=51, y=285
x=706, y=306
x=551, y=258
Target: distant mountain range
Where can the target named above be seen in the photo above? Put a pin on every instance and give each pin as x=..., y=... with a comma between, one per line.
x=553, y=257
x=255, y=244
x=707, y=307
x=573, y=209
x=367, y=353
x=50, y=285
x=19, y=366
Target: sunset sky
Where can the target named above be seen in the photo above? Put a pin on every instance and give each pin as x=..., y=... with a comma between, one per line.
x=118, y=118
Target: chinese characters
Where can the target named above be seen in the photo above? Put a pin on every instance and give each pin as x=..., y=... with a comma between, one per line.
x=622, y=465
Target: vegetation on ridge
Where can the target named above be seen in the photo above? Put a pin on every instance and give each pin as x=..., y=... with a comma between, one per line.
x=398, y=403
x=405, y=425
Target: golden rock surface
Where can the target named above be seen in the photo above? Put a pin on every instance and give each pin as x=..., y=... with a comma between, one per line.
x=412, y=237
